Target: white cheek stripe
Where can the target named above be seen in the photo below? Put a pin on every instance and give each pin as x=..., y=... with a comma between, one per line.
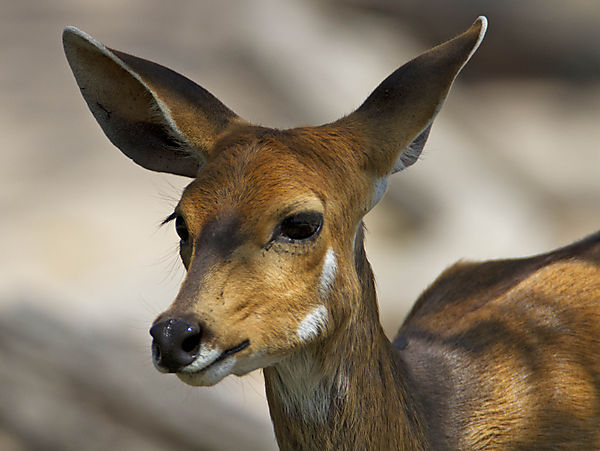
x=313, y=324
x=328, y=272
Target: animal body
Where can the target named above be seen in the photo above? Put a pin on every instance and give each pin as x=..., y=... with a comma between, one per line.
x=494, y=355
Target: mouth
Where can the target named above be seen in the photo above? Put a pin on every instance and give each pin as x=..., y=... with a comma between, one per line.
x=210, y=367
x=227, y=353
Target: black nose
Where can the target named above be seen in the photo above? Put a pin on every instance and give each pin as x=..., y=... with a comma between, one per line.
x=175, y=344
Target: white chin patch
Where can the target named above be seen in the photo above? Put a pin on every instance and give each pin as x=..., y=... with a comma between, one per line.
x=313, y=324
x=328, y=272
x=209, y=376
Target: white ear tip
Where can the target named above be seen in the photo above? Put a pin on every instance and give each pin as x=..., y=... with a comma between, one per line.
x=73, y=35
x=484, y=23
x=71, y=31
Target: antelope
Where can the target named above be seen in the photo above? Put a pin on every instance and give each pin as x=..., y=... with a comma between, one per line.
x=497, y=355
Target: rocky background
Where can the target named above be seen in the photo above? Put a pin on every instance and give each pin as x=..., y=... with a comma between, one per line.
x=512, y=167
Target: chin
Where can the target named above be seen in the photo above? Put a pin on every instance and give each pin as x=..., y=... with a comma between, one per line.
x=212, y=375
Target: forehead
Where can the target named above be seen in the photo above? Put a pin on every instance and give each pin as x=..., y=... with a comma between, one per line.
x=257, y=167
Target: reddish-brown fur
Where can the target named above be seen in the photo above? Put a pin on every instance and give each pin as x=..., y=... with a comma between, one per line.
x=507, y=352
x=494, y=355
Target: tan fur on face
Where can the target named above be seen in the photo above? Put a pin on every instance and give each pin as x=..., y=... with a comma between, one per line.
x=233, y=295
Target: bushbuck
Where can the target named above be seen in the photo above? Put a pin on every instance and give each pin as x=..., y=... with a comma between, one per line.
x=495, y=355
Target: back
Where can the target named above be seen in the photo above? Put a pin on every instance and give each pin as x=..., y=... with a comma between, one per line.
x=507, y=353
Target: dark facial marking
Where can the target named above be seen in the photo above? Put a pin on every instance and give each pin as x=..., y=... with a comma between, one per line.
x=219, y=237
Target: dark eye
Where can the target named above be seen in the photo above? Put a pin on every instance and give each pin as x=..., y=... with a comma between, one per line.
x=181, y=229
x=301, y=226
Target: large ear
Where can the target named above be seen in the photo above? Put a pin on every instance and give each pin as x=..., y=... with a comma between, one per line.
x=160, y=119
x=396, y=118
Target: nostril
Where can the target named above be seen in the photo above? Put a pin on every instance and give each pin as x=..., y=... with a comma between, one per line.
x=175, y=344
x=191, y=344
x=155, y=351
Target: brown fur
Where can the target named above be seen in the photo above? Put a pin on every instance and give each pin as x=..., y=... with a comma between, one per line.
x=515, y=348
x=494, y=355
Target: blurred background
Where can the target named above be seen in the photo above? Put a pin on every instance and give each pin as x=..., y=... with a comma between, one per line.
x=512, y=168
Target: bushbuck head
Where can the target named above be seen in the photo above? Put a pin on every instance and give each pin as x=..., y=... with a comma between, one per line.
x=271, y=225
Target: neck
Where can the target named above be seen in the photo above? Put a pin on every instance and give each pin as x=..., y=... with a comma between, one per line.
x=350, y=388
